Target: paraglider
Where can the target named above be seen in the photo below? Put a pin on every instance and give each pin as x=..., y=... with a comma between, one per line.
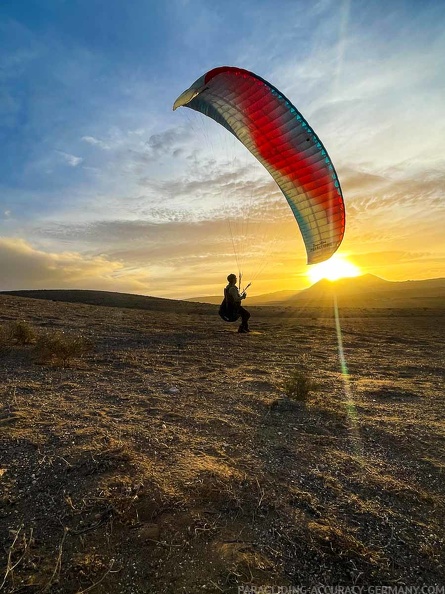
x=276, y=133
x=231, y=309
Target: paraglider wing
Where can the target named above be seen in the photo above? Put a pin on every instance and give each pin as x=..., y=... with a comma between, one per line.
x=281, y=139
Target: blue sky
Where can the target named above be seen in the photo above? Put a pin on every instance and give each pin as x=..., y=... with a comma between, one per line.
x=103, y=186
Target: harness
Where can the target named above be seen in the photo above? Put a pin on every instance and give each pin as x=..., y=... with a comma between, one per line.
x=229, y=309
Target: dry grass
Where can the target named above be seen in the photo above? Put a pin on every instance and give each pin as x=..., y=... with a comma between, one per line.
x=56, y=347
x=299, y=385
x=15, y=333
x=60, y=348
x=159, y=464
x=21, y=332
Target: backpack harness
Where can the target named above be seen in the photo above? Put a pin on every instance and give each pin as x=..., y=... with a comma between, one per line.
x=229, y=309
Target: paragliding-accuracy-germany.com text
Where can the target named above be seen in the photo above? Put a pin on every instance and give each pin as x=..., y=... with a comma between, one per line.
x=325, y=589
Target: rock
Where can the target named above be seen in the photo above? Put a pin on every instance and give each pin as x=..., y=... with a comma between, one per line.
x=287, y=405
x=149, y=532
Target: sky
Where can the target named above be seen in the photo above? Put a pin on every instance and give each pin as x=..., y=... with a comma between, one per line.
x=103, y=186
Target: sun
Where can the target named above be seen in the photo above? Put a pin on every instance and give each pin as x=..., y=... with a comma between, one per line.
x=333, y=269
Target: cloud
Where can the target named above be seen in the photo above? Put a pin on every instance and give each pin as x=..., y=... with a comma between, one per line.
x=188, y=251
x=164, y=267
x=25, y=267
x=71, y=160
x=168, y=142
x=366, y=190
x=179, y=237
x=96, y=142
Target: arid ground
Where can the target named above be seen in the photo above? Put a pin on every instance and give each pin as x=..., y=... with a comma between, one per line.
x=170, y=457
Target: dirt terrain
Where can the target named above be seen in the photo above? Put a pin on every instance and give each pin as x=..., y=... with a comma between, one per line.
x=168, y=458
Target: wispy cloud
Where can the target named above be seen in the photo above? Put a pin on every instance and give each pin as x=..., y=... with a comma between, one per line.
x=71, y=160
x=96, y=142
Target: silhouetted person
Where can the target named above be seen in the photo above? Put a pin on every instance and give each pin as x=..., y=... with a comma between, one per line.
x=233, y=301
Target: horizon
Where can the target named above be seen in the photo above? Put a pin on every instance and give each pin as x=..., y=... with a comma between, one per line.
x=104, y=187
x=323, y=281
x=334, y=281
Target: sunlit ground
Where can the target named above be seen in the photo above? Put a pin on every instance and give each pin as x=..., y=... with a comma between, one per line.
x=333, y=269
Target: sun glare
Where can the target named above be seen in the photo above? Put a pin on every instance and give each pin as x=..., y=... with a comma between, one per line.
x=333, y=269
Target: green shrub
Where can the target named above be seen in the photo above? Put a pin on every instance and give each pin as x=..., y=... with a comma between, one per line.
x=60, y=348
x=299, y=385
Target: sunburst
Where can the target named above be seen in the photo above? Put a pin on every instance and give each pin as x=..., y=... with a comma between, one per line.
x=333, y=269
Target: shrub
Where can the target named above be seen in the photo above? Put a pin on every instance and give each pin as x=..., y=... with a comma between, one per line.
x=20, y=332
x=60, y=348
x=299, y=385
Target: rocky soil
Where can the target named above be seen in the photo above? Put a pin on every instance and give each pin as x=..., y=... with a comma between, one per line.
x=167, y=458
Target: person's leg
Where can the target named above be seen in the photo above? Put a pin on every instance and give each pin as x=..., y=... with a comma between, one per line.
x=245, y=315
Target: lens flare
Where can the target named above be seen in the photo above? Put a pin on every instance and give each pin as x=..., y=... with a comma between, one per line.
x=354, y=429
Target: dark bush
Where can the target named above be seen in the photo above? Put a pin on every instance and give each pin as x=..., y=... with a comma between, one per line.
x=60, y=348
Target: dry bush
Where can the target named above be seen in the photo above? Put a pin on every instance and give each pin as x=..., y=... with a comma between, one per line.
x=60, y=348
x=299, y=385
x=18, y=332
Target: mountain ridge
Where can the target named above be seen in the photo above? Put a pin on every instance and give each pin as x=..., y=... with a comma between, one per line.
x=357, y=292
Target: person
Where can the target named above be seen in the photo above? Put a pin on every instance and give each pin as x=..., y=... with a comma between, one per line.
x=233, y=298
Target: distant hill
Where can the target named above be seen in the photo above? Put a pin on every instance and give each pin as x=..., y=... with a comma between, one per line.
x=367, y=291
x=361, y=291
x=111, y=299
x=371, y=291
